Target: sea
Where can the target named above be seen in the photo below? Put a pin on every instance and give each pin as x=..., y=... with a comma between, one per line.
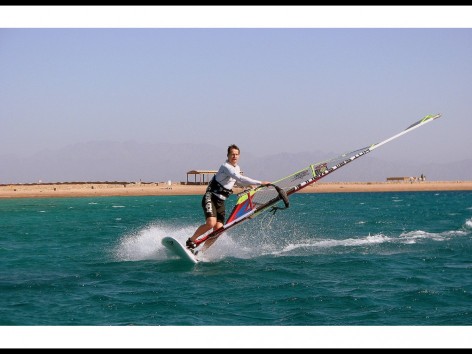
x=342, y=270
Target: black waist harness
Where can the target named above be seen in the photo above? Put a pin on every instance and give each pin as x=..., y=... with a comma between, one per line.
x=216, y=187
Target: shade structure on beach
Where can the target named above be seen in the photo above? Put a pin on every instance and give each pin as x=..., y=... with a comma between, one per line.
x=201, y=176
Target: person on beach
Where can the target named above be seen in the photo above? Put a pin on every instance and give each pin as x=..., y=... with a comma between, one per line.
x=220, y=188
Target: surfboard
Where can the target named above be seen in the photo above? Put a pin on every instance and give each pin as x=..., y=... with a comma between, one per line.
x=178, y=249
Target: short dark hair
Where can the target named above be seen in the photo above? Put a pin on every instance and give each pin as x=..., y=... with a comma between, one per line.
x=233, y=147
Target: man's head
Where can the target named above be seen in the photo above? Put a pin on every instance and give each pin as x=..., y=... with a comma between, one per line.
x=233, y=154
x=232, y=147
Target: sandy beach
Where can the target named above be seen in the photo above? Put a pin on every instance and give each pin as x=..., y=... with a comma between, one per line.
x=93, y=189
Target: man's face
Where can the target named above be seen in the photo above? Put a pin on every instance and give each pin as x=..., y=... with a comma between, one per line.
x=233, y=157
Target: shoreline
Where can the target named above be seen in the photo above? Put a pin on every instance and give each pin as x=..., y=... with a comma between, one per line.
x=102, y=189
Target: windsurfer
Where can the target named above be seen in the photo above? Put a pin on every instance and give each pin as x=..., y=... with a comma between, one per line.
x=220, y=188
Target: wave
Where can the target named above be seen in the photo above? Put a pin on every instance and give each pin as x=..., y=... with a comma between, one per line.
x=145, y=244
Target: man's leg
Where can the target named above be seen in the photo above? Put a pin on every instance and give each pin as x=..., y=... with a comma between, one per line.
x=210, y=241
x=202, y=229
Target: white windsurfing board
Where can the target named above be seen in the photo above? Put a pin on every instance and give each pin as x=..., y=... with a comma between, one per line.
x=178, y=249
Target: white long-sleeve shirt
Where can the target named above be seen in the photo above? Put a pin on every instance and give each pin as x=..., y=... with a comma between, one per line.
x=228, y=175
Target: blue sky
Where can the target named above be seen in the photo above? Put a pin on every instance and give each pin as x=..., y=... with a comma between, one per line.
x=269, y=89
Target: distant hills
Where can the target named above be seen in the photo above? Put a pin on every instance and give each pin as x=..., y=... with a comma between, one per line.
x=134, y=161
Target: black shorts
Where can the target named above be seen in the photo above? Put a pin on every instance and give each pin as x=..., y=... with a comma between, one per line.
x=213, y=206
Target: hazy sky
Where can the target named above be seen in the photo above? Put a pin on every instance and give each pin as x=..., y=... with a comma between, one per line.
x=289, y=89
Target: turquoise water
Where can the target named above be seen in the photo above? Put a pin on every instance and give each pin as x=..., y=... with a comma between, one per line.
x=337, y=259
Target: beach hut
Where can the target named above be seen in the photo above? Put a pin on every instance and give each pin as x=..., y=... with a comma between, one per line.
x=204, y=176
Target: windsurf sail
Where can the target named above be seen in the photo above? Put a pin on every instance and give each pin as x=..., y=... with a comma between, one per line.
x=252, y=202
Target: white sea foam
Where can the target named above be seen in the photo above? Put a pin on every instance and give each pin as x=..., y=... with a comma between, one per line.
x=331, y=243
x=145, y=244
x=468, y=223
x=414, y=236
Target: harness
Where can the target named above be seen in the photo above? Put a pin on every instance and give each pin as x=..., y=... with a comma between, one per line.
x=217, y=188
